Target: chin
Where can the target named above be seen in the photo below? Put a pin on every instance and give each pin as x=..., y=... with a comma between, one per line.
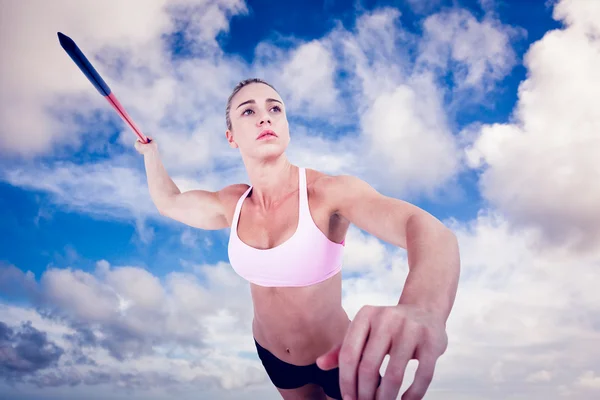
x=269, y=151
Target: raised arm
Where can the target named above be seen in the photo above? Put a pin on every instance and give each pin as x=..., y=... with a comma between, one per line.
x=201, y=209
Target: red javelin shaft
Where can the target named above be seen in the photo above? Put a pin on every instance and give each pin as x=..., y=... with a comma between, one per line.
x=94, y=77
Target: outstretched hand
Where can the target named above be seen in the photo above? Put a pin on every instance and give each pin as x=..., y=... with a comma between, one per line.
x=405, y=332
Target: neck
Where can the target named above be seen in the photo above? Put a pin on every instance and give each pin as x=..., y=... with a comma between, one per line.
x=271, y=179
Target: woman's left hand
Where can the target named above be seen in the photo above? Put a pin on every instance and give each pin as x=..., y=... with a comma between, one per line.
x=405, y=332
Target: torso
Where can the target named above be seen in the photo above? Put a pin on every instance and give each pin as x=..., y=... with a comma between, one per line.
x=297, y=324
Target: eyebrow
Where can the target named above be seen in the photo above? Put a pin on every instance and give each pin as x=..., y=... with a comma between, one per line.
x=251, y=101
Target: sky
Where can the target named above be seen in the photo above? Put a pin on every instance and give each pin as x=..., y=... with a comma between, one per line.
x=482, y=112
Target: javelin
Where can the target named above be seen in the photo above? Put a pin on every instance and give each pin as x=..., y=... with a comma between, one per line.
x=86, y=67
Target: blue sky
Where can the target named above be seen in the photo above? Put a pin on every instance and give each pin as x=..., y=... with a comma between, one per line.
x=480, y=112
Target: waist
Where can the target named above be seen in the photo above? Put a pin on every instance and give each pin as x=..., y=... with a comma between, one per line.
x=299, y=324
x=301, y=344
x=311, y=301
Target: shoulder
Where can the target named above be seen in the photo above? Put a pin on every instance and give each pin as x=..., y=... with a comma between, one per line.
x=234, y=190
x=338, y=190
x=229, y=196
x=336, y=185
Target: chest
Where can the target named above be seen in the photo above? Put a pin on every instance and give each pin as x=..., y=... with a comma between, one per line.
x=267, y=229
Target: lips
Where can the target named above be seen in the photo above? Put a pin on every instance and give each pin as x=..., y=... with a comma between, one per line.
x=266, y=133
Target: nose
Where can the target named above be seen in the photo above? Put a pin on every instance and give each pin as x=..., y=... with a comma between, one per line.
x=265, y=118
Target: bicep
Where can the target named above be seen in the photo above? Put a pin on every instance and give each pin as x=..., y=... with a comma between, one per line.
x=201, y=209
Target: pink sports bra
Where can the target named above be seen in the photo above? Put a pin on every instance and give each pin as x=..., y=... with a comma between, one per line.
x=308, y=257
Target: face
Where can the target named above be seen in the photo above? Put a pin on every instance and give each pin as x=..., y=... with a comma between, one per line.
x=255, y=111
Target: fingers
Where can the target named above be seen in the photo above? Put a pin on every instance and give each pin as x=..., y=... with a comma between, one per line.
x=423, y=378
x=368, y=372
x=400, y=354
x=350, y=352
x=402, y=333
x=330, y=359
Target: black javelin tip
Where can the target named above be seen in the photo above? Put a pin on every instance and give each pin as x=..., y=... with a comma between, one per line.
x=83, y=63
x=65, y=41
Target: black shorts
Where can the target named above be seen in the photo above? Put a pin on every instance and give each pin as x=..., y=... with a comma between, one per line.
x=289, y=376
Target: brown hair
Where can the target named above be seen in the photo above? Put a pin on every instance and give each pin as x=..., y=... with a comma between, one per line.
x=239, y=87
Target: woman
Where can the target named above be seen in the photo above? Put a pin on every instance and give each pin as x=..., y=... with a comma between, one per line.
x=287, y=239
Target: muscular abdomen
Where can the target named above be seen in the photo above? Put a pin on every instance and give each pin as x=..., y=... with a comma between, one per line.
x=298, y=324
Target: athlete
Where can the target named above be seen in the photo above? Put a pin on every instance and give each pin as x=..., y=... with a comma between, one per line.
x=287, y=231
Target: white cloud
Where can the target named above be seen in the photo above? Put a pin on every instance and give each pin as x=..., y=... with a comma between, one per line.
x=580, y=15
x=102, y=188
x=589, y=379
x=482, y=49
x=423, y=6
x=541, y=169
x=313, y=149
x=363, y=252
x=127, y=321
x=406, y=132
x=86, y=298
x=514, y=315
x=404, y=136
x=206, y=19
x=194, y=239
x=307, y=80
x=400, y=98
x=137, y=286
x=372, y=54
x=540, y=376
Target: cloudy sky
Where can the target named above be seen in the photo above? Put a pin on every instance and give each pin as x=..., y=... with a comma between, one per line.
x=483, y=112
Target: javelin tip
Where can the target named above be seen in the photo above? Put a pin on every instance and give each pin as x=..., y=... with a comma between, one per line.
x=65, y=41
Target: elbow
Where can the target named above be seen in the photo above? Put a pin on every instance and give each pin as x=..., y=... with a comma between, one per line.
x=450, y=235
x=164, y=206
x=162, y=210
x=447, y=236
x=423, y=227
x=441, y=230
x=422, y=224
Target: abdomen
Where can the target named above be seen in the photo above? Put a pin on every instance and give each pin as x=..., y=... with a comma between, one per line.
x=307, y=321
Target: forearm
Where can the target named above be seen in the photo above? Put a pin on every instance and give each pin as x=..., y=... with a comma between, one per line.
x=160, y=184
x=434, y=266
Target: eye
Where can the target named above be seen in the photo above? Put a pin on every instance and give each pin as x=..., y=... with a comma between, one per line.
x=276, y=107
x=249, y=109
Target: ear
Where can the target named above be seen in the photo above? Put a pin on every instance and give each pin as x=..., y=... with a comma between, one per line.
x=230, y=139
